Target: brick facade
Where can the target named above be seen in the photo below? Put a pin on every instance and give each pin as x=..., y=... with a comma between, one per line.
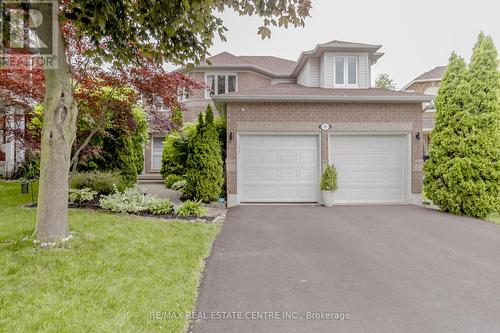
x=421, y=87
x=198, y=103
x=282, y=117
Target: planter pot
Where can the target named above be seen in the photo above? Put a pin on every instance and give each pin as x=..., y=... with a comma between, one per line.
x=327, y=198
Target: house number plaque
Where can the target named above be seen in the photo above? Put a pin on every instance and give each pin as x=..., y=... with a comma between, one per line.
x=325, y=126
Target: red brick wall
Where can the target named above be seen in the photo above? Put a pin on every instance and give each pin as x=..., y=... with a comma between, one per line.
x=198, y=103
x=306, y=117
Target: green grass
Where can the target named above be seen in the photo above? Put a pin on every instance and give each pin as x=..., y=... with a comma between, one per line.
x=108, y=278
x=495, y=218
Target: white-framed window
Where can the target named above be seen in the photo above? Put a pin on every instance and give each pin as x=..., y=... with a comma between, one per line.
x=183, y=95
x=345, y=70
x=220, y=83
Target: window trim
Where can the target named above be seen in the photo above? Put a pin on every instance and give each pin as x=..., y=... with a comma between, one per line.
x=226, y=82
x=181, y=93
x=346, y=83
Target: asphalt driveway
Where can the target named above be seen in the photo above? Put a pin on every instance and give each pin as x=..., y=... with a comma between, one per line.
x=387, y=268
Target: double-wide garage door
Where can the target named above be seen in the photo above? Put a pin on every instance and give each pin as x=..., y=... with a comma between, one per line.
x=285, y=168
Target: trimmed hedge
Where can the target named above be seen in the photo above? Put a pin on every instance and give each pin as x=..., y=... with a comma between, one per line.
x=100, y=182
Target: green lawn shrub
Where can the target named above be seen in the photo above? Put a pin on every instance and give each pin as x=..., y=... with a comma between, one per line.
x=205, y=174
x=101, y=182
x=81, y=195
x=172, y=179
x=191, y=208
x=134, y=201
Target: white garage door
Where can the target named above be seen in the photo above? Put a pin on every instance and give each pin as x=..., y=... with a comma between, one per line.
x=278, y=168
x=370, y=168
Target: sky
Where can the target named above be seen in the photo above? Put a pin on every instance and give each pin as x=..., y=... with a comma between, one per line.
x=416, y=35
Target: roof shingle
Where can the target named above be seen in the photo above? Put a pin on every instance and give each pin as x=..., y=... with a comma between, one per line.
x=286, y=91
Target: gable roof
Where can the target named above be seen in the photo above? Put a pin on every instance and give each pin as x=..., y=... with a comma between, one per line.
x=268, y=65
x=271, y=63
x=280, y=67
x=294, y=93
x=340, y=46
x=435, y=74
x=351, y=45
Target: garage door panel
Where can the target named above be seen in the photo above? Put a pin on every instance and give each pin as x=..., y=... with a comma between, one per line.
x=253, y=142
x=288, y=175
x=269, y=175
x=268, y=192
x=341, y=158
x=375, y=159
x=278, y=168
x=252, y=175
x=288, y=192
x=357, y=158
x=250, y=158
x=370, y=168
x=393, y=158
x=268, y=158
x=306, y=157
x=287, y=158
x=308, y=175
x=307, y=192
x=250, y=191
x=356, y=177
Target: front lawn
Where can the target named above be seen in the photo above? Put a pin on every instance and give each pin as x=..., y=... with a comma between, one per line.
x=108, y=278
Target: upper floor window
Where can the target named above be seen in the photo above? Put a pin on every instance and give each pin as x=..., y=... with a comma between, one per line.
x=220, y=84
x=183, y=95
x=346, y=71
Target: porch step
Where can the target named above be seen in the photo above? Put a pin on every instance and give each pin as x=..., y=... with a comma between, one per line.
x=150, y=181
x=150, y=178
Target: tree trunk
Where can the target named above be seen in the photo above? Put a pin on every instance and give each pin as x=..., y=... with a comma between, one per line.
x=58, y=134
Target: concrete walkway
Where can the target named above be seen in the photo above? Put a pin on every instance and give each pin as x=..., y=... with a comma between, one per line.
x=161, y=191
x=390, y=268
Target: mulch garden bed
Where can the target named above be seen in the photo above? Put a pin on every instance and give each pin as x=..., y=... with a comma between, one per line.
x=94, y=205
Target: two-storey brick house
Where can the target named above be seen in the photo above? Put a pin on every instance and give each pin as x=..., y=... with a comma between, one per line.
x=274, y=109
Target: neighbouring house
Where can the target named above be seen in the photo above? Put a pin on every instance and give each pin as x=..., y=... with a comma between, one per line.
x=275, y=107
x=427, y=83
x=12, y=121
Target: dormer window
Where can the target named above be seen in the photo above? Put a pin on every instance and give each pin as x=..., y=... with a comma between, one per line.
x=220, y=84
x=346, y=72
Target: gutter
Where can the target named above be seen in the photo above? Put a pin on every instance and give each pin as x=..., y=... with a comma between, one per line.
x=312, y=98
x=256, y=69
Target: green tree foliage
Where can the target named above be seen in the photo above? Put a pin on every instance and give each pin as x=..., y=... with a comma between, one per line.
x=384, y=81
x=173, y=31
x=462, y=175
x=176, y=118
x=123, y=150
x=205, y=174
x=329, y=178
x=176, y=151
